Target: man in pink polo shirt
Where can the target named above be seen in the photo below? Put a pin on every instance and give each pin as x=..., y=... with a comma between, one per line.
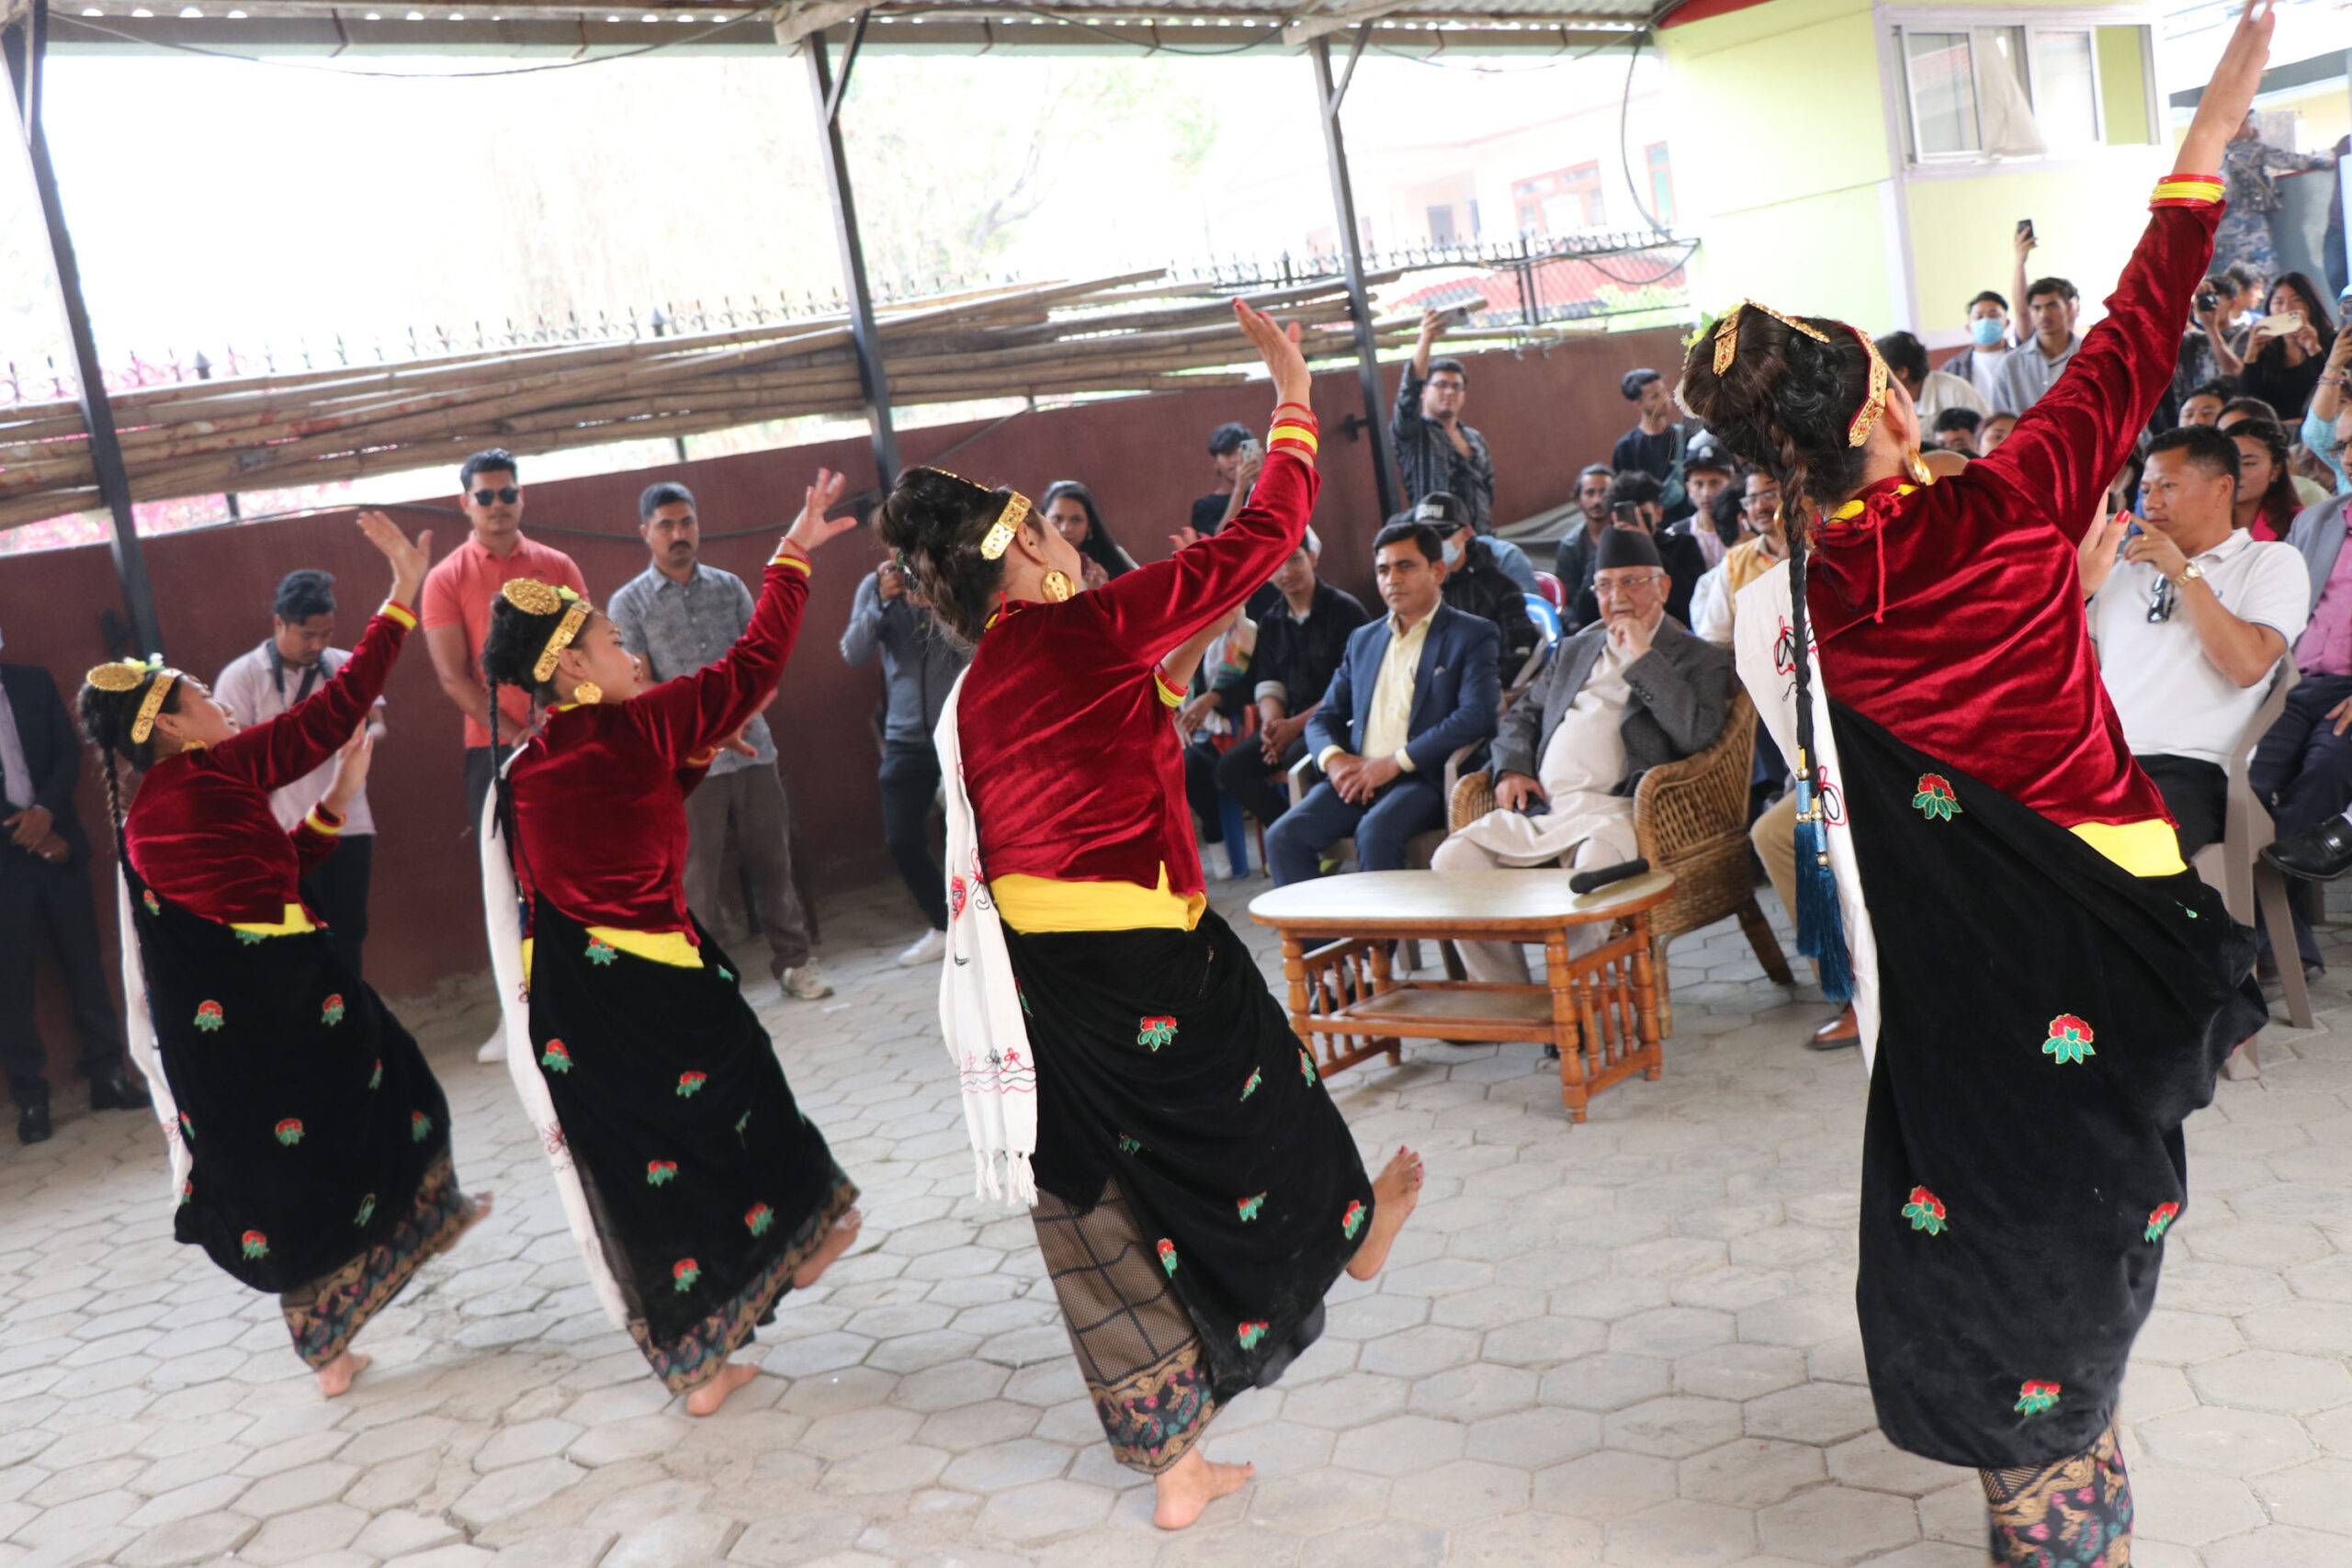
x=456, y=613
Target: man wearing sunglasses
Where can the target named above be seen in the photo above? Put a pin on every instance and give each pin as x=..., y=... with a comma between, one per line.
x=2190, y=617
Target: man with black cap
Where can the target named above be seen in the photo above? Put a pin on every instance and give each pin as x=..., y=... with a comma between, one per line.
x=1475, y=582
x=1618, y=698
x=1637, y=505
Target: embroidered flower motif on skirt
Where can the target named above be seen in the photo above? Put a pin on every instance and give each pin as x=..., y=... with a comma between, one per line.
x=1936, y=800
x=1249, y=1333
x=658, y=1172
x=1926, y=1211
x=725, y=972
x=188, y=1128
x=256, y=1244
x=689, y=1083
x=289, y=1131
x=1130, y=1146
x=555, y=1058
x=684, y=1273
x=1352, y=1221
x=1306, y=1065
x=331, y=1014
x=957, y=891
x=209, y=1017
x=1248, y=1208
x=2070, y=1039
x=375, y=1078
x=187, y=1190
x=745, y=1120
x=1167, y=1254
x=420, y=1126
x=367, y=1210
x=1256, y=1078
x=2160, y=1220
x=600, y=951
x=2033, y=1398
x=250, y=938
x=154, y=906
x=1155, y=1032
x=759, y=1218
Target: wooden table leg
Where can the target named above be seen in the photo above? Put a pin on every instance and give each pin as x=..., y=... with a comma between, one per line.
x=1566, y=1034
x=1294, y=971
x=1384, y=980
x=1645, y=1000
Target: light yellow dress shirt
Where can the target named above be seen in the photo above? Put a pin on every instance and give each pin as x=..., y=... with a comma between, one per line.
x=1388, y=721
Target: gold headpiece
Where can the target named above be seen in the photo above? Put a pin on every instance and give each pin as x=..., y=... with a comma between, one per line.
x=535, y=598
x=120, y=675
x=1008, y=522
x=1874, y=402
x=1728, y=332
x=151, y=705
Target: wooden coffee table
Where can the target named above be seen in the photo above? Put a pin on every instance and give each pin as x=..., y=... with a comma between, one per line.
x=1599, y=1009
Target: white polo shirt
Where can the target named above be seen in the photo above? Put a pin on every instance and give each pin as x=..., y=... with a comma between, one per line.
x=2172, y=700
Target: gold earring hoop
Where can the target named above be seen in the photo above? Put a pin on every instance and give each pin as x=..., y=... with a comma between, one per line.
x=1056, y=586
x=586, y=693
x=1917, y=466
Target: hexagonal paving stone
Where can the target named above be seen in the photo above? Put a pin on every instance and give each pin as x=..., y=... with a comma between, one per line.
x=2225, y=1442
x=1606, y=1381
x=1669, y=1332
x=2270, y=1380
x=1468, y=1393
x=1674, y=1427
x=1398, y=1446
x=1814, y=1412
x=1738, y=1371
x=1836, y=1524
x=1681, y=1534
x=1534, y=1439
x=1750, y=1473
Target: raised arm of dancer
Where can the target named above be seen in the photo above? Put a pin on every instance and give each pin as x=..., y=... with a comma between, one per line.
x=2070, y=444
x=272, y=755
x=689, y=715
x=1157, y=608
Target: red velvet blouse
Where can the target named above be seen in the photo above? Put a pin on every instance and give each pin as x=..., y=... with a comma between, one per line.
x=1952, y=614
x=200, y=830
x=600, y=793
x=1070, y=757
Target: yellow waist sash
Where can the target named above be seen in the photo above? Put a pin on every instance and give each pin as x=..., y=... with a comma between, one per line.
x=298, y=920
x=2143, y=849
x=674, y=948
x=1049, y=904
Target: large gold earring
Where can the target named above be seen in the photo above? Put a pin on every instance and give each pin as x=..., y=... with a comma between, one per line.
x=1056, y=586
x=587, y=691
x=1917, y=466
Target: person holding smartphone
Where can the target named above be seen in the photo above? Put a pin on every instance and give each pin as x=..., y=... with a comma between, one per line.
x=1435, y=451
x=1635, y=502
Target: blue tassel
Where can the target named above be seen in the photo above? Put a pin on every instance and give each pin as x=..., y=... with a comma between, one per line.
x=1820, y=928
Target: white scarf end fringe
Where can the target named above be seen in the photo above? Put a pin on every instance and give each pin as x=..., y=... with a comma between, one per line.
x=1017, y=1185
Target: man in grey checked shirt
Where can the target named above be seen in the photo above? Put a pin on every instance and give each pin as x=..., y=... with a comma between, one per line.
x=679, y=615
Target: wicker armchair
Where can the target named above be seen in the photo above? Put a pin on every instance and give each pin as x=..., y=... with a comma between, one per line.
x=1690, y=817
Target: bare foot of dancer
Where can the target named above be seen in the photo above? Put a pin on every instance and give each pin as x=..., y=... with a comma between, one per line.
x=334, y=1378
x=844, y=1232
x=1191, y=1484
x=706, y=1399
x=1394, y=1194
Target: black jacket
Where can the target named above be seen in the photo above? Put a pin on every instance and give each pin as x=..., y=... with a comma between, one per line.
x=1685, y=564
x=1477, y=587
x=52, y=752
x=1300, y=657
x=1681, y=692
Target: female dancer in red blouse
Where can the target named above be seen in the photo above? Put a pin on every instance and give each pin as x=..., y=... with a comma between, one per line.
x=1195, y=1191
x=310, y=1141
x=2055, y=990
x=699, y=1192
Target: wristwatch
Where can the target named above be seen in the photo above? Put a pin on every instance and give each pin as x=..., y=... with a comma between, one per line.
x=2188, y=573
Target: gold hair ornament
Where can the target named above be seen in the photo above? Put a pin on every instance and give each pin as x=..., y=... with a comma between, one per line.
x=1728, y=332
x=535, y=598
x=1874, y=403
x=120, y=675
x=999, y=538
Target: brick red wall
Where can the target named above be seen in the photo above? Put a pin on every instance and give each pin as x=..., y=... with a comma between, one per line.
x=1545, y=416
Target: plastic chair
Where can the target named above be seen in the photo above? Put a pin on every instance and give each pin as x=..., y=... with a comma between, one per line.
x=1552, y=591
x=2235, y=864
x=1547, y=619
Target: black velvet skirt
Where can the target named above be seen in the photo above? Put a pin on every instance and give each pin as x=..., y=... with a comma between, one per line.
x=2048, y=1022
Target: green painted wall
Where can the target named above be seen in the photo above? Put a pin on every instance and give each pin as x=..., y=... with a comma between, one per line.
x=2123, y=84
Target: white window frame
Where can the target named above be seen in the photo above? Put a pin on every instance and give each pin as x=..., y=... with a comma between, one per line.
x=1894, y=21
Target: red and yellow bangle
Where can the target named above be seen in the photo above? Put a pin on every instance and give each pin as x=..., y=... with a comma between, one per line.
x=321, y=821
x=2187, y=190
x=790, y=554
x=1167, y=693
x=703, y=759
x=399, y=612
x=1296, y=427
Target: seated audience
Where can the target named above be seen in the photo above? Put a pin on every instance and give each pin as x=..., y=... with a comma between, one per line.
x=1619, y=699
x=1475, y=582
x=1708, y=473
x=2287, y=358
x=2205, y=401
x=2325, y=431
x=1992, y=432
x=1955, y=430
x=1932, y=391
x=2191, y=617
x=1237, y=455
x=1412, y=688
x=1070, y=507
x=1991, y=340
x=1657, y=443
x=2266, y=501
x=1301, y=638
x=2052, y=305
x=1633, y=503
x=1572, y=559
x=2241, y=409
x=1764, y=546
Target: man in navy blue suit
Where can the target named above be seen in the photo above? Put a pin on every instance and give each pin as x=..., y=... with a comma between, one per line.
x=1412, y=688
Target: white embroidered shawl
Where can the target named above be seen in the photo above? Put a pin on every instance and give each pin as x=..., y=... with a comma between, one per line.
x=980, y=1004
x=139, y=1032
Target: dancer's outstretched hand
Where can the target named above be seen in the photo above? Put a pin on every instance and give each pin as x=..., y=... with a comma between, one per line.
x=811, y=529
x=409, y=560
x=2236, y=78
x=1278, y=346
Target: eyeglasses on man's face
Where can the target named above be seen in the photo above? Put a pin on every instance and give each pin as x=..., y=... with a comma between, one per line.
x=507, y=495
x=1623, y=587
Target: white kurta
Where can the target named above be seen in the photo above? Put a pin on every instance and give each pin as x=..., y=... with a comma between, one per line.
x=1582, y=762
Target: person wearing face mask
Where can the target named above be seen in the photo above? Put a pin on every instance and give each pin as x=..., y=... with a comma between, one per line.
x=1475, y=584
x=1990, y=339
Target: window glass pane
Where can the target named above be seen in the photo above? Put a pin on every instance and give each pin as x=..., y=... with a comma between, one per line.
x=2065, y=88
x=1944, y=92
x=2006, y=127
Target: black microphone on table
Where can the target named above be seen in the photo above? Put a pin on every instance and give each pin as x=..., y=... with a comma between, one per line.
x=1601, y=876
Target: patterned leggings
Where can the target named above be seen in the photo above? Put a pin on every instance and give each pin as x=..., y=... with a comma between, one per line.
x=2071, y=1512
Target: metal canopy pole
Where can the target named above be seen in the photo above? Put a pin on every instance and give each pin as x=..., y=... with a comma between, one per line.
x=24, y=44
x=872, y=377
x=1343, y=199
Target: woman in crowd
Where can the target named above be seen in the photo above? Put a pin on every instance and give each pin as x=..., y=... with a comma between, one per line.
x=2023, y=1144
x=2252, y=195
x=1194, y=1189
x=698, y=1190
x=2286, y=364
x=2322, y=433
x=2267, y=501
x=309, y=1143
x=1070, y=507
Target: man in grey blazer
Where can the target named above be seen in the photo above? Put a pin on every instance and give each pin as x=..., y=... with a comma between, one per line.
x=1622, y=697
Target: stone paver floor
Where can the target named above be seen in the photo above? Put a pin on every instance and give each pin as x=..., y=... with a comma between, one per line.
x=1629, y=1343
